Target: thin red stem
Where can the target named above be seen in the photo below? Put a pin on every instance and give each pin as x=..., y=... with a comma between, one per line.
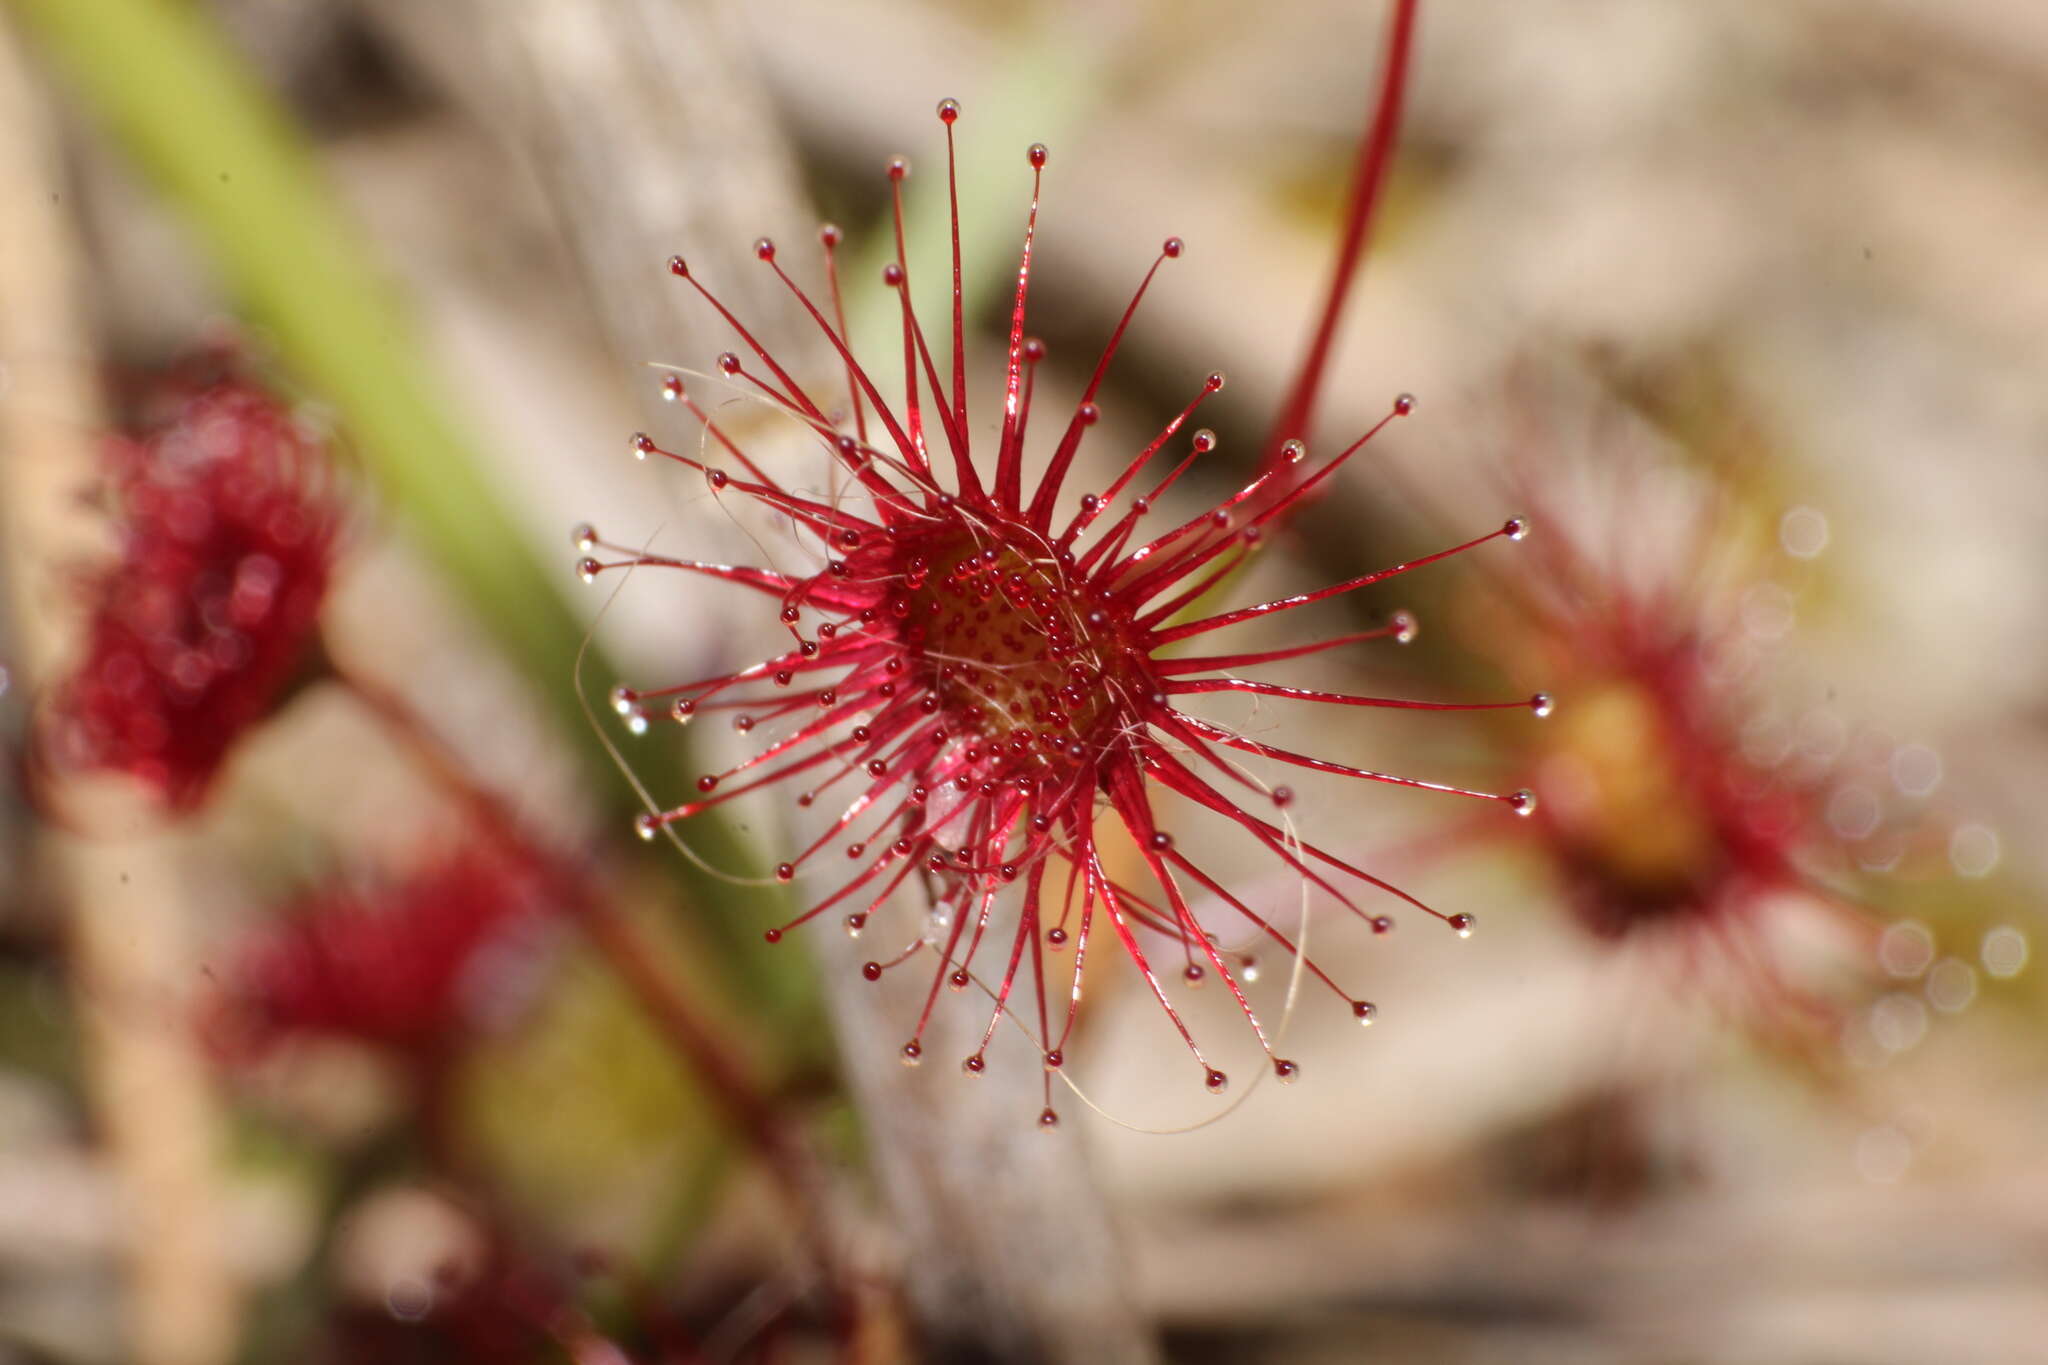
x=1374, y=152
x=696, y=1040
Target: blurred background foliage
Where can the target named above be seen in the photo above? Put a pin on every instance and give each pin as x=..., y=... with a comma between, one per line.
x=1743, y=304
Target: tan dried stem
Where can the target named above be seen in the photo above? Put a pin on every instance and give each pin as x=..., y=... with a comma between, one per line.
x=129, y=910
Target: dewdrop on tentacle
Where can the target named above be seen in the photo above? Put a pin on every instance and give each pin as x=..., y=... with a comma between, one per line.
x=973, y=668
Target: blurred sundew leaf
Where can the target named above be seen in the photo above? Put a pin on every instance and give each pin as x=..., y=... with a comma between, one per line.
x=585, y=1118
x=182, y=103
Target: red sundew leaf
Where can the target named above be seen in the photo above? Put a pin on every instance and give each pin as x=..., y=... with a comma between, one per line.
x=985, y=678
x=410, y=964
